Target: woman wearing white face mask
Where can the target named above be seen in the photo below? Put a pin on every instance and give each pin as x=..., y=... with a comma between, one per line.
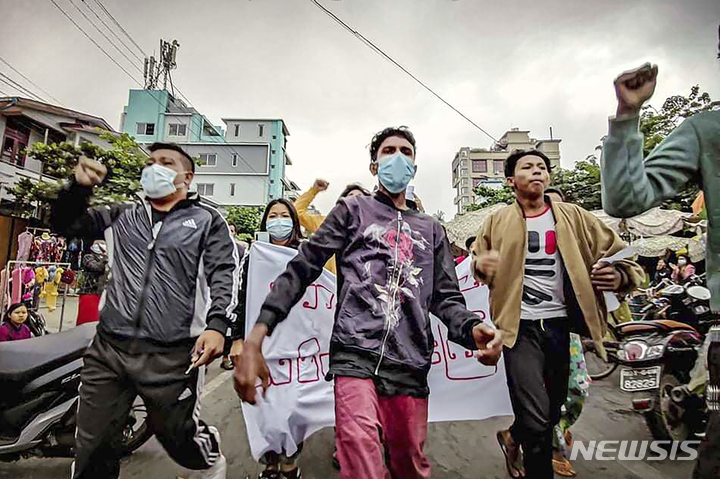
x=281, y=222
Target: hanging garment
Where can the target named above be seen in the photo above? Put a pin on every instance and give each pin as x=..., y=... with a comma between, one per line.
x=25, y=240
x=50, y=289
x=28, y=278
x=16, y=285
x=4, y=290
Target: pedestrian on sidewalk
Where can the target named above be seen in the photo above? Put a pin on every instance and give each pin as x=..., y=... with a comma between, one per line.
x=94, y=266
x=542, y=261
x=171, y=297
x=13, y=327
x=394, y=268
x=632, y=184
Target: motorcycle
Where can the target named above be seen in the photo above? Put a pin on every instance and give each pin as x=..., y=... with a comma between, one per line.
x=688, y=303
x=36, y=323
x=39, y=380
x=657, y=357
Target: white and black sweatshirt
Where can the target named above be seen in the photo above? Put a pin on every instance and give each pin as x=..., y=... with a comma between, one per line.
x=169, y=279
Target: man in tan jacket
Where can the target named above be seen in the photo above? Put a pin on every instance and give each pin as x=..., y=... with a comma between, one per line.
x=543, y=264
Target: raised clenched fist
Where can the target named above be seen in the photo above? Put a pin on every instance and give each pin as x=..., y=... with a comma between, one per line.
x=89, y=172
x=635, y=87
x=320, y=184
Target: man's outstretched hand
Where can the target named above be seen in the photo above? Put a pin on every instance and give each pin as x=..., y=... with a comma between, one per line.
x=207, y=347
x=635, y=87
x=489, y=344
x=250, y=366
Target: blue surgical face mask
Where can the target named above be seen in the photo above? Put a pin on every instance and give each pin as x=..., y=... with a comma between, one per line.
x=395, y=172
x=158, y=181
x=280, y=228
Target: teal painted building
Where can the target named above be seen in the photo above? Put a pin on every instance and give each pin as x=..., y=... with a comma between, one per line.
x=242, y=164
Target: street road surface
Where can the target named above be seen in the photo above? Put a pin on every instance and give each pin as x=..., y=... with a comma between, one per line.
x=456, y=450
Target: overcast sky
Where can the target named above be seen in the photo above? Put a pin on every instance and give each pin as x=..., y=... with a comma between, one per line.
x=525, y=63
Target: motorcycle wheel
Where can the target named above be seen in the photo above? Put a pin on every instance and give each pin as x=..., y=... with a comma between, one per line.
x=137, y=431
x=598, y=368
x=665, y=419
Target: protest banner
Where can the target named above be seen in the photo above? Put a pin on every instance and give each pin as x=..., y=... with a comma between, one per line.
x=300, y=402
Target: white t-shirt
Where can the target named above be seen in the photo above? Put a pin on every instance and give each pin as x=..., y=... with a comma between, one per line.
x=543, y=295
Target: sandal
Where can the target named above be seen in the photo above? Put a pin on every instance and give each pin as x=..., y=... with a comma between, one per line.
x=563, y=468
x=569, y=439
x=514, y=469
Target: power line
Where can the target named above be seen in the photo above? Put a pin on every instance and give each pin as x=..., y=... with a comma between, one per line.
x=119, y=26
x=94, y=42
x=105, y=36
x=87, y=4
x=224, y=142
x=380, y=52
x=29, y=80
x=12, y=83
x=3, y=93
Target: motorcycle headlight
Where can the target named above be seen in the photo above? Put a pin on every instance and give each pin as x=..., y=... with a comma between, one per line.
x=655, y=351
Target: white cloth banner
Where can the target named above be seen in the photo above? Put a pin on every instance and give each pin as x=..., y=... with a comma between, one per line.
x=300, y=402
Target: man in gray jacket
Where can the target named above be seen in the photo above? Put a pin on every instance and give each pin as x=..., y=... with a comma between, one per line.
x=169, y=300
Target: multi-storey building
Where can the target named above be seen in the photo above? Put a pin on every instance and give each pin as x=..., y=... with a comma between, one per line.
x=23, y=123
x=241, y=164
x=472, y=167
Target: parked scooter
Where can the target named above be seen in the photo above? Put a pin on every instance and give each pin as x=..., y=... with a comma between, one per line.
x=39, y=379
x=658, y=356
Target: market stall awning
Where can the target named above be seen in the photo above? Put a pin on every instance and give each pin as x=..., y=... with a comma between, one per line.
x=654, y=222
x=464, y=226
x=657, y=246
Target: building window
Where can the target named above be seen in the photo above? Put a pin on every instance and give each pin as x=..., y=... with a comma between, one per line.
x=208, y=159
x=464, y=172
x=498, y=166
x=177, y=129
x=209, y=130
x=146, y=128
x=466, y=200
x=479, y=166
x=232, y=189
x=261, y=130
x=466, y=181
x=234, y=160
x=476, y=182
x=466, y=190
x=237, y=130
x=206, y=189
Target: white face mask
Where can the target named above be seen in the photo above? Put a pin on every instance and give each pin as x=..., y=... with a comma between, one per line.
x=158, y=181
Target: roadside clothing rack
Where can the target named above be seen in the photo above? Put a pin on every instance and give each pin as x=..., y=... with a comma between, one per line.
x=11, y=266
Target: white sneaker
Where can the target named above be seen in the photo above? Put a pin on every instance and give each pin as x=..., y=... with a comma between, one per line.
x=217, y=471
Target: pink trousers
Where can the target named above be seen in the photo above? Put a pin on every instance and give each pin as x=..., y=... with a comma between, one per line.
x=365, y=422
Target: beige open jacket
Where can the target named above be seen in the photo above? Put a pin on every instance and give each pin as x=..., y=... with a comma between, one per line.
x=582, y=241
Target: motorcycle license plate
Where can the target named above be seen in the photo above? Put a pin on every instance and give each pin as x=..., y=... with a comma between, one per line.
x=641, y=379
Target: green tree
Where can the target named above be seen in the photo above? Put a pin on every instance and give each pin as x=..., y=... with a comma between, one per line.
x=491, y=196
x=581, y=185
x=246, y=219
x=124, y=161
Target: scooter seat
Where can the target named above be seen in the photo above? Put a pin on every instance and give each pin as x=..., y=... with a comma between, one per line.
x=640, y=327
x=23, y=360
